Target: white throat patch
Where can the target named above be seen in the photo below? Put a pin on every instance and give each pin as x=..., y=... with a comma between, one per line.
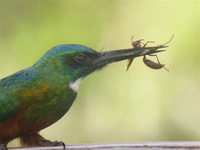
x=75, y=85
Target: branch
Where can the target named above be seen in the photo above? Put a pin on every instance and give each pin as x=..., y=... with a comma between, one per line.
x=128, y=146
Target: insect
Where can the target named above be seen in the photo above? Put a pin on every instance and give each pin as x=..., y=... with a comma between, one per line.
x=136, y=44
x=147, y=62
x=152, y=64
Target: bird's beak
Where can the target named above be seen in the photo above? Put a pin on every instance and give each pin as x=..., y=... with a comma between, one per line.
x=119, y=55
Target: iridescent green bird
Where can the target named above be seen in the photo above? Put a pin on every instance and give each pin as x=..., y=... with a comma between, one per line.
x=34, y=98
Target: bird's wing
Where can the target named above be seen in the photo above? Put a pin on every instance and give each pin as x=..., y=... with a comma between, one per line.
x=11, y=90
x=9, y=104
x=20, y=91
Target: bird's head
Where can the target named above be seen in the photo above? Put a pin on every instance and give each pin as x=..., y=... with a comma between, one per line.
x=77, y=61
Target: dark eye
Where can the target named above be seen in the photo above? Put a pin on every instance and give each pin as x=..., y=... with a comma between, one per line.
x=81, y=58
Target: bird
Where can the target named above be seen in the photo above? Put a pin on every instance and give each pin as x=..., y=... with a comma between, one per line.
x=38, y=96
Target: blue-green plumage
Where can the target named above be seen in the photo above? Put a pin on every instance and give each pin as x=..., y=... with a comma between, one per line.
x=36, y=97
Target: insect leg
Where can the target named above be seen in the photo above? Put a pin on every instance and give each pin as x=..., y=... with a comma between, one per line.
x=156, y=58
x=169, y=40
x=144, y=45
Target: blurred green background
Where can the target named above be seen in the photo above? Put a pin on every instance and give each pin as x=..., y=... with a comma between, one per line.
x=114, y=105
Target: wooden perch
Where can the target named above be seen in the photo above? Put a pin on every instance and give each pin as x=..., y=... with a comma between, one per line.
x=124, y=146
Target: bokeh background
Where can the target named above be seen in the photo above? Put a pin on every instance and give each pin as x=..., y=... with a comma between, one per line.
x=114, y=105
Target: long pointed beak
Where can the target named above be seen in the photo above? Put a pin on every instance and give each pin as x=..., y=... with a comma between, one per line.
x=119, y=55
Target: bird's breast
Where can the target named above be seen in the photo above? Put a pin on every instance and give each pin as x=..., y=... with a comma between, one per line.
x=53, y=103
x=42, y=105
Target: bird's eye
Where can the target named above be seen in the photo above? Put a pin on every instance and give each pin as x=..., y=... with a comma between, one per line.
x=81, y=58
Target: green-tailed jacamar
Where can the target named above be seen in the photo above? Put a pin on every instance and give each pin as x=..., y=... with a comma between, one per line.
x=36, y=97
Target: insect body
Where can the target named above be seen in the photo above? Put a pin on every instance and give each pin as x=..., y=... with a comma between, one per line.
x=152, y=64
x=137, y=43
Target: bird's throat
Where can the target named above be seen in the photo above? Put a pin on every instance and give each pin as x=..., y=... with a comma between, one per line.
x=75, y=85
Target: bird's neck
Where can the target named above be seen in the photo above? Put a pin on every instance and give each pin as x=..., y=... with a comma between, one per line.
x=59, y=72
